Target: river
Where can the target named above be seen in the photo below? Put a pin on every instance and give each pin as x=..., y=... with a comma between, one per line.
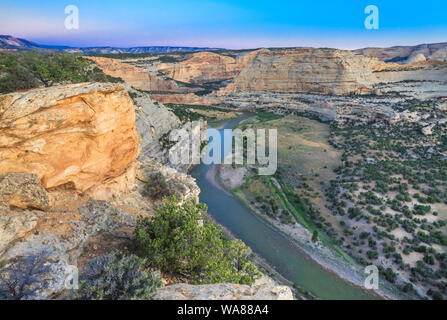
x=275, y=248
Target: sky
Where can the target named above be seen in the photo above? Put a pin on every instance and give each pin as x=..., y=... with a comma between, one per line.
x=232, y=24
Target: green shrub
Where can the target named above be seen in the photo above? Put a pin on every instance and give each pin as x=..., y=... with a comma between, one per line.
x=182, y=240
x=315, y=236
x=372, y=254
x=21, y=71
x=111, y=277
x=390, y=275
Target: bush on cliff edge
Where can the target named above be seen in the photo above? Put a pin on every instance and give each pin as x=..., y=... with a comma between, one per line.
x=182, y=240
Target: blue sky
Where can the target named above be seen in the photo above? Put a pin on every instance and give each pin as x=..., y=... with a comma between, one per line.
x=226, y=23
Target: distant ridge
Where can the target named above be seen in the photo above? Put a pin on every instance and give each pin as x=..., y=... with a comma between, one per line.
x=10, y=43
x=401, y=54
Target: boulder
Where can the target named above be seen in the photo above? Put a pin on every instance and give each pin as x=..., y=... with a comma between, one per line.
x=23, y=190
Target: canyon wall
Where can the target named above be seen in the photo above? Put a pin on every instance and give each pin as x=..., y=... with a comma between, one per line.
x=291, y=70
x=71, y=186
x=202, y=67
x=306, y=70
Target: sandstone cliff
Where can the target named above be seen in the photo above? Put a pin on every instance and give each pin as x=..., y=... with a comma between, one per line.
x=306, y=80
x=78, y=134
x=306, y=70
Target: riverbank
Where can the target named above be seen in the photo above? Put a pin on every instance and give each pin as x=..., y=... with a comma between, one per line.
x=301, y=237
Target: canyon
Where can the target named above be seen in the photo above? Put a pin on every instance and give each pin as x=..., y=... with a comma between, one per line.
x=75, y=159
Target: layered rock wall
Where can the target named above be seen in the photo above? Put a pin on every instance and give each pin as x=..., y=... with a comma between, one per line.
x=202, y=67
x=306, y=70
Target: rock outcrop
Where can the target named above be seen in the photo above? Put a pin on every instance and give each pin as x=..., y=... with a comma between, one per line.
x=153, y=121
x=78, y=135
x=23, y=190
x=50, y=251
x=263, y=289
x=13, y=228
x=179, y=184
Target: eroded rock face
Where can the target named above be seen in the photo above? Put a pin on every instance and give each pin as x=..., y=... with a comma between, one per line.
x=77, y=134
x=419, y=57
x=176, y=183
x=153, y=121
x=28, y=242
